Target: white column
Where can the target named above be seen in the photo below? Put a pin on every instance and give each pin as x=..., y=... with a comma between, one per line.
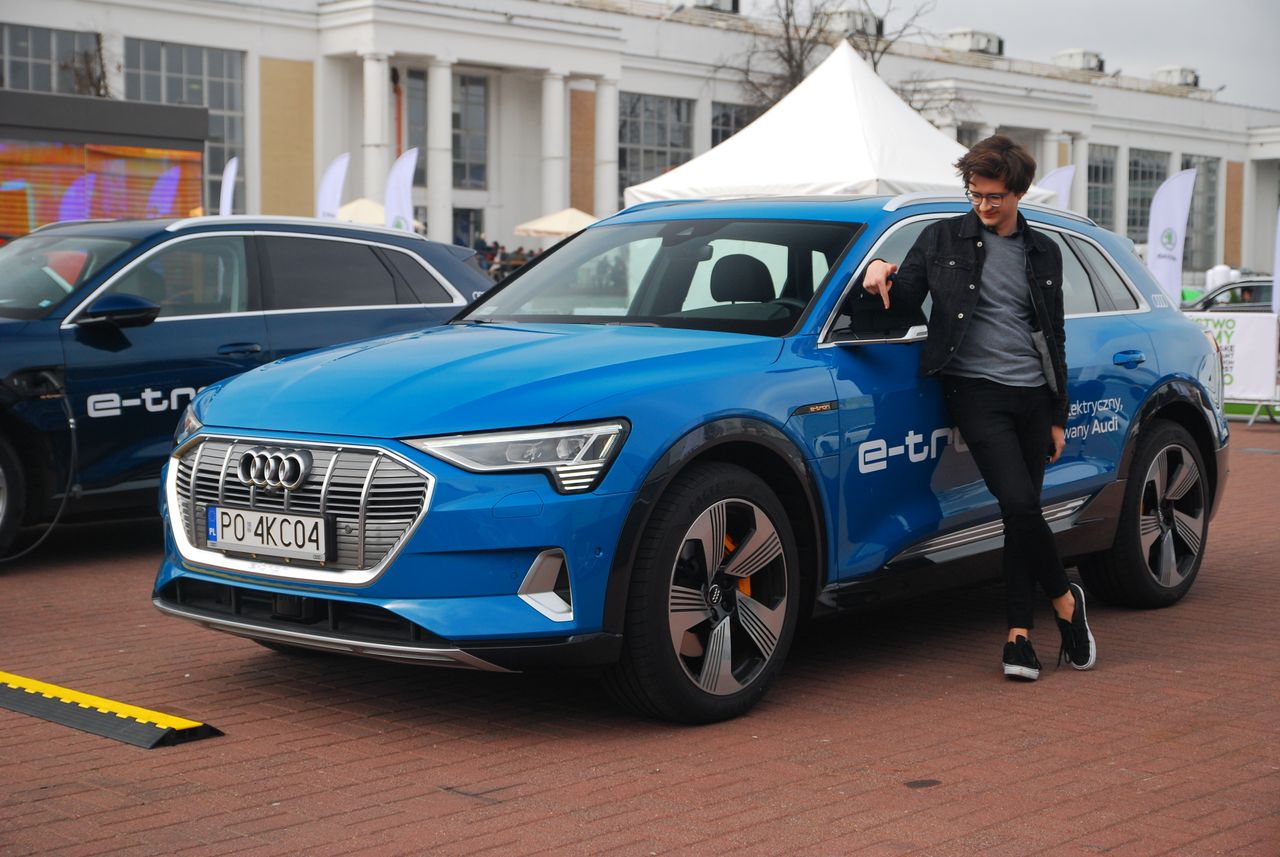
x=606, y=167
x=113, y=46
x=440, y=150
x=702, y=109
x=1080, y=184
x=949, y=126
x=1122, y=190
x=1049, y=150
x=376, y=145
x=555, y=148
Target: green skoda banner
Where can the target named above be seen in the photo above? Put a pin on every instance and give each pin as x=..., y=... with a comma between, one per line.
x=1248, y=341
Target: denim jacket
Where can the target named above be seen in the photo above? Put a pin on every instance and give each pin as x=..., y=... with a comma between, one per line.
x=946, y=262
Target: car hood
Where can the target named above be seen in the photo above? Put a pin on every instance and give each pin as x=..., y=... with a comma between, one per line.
x=463, y=378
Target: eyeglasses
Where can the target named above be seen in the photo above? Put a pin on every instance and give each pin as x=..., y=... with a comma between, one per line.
x=995, y=200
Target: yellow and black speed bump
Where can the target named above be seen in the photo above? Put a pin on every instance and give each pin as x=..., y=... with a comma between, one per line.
x=106, y=717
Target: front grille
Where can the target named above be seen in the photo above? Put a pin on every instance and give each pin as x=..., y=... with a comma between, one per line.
x=373, y=498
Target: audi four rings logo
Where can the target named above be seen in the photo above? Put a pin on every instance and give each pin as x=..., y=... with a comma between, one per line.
x=274, y=468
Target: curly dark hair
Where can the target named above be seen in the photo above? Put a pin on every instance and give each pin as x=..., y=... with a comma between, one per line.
x=998, y=157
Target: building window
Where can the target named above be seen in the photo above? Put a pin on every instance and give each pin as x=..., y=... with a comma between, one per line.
x=470, y=131
x=468, y=224
x=38, y=59
x=1147, y=171
x=967, y=135
x=165, y=73
x=1200, y=250
x=416, y=107
x=729, y=119
x=655, y=133
x=1102, y=185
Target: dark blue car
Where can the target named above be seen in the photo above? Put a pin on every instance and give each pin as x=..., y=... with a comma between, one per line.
x=118, y=325
x=660, y=445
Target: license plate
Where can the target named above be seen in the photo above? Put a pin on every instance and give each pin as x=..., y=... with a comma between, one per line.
x=270, y=533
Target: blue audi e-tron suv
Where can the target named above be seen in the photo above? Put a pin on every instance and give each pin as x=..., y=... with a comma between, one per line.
x=661, y=445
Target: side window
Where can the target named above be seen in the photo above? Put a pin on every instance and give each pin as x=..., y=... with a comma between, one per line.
x=425, y=288
x=820, y=267
x=201, y=276
x=737, y=271
x=868, y=317
x=1111, y=282
x=1077, y=291
x=311, y=273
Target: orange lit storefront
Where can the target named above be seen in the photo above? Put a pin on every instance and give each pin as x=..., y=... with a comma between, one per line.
x=71, y=158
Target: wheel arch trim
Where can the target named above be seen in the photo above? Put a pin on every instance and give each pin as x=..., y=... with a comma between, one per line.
x=1173, y=399
x=698, y=444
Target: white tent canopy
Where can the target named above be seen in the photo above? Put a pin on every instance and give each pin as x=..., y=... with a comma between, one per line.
x=558, y=224
x=841, y=131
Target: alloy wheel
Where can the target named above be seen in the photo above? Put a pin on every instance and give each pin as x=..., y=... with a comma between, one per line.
x=728, y=597
x=1172, y=516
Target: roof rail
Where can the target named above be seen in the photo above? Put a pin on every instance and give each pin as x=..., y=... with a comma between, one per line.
x=656, y=203
x=922, y=197
x=286, y=220
x=71, y=222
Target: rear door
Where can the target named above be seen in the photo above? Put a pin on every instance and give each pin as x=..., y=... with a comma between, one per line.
x=323, y=290
x=129, y=386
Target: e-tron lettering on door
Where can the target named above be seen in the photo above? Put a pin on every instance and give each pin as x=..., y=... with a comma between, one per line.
x=155, y=401
x=874, y=455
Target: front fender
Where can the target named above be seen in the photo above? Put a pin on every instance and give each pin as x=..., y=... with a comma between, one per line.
x=703, y=443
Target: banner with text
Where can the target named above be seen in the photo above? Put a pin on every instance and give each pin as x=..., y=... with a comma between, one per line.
x=1248, y=341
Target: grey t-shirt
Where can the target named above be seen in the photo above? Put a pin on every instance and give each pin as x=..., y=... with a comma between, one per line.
x=998, y=344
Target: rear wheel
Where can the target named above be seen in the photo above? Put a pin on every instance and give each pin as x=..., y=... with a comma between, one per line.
x=1160, y=539
x=713, y=600
x=13, y=496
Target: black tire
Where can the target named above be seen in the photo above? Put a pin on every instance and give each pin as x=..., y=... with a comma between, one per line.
x=734, y=624
x=1163, y=528
x=13, y=497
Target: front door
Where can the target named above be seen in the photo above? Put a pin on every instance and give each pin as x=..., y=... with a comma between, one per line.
x=129, y=386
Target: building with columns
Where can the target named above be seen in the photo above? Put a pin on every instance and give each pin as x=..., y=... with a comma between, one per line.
x=523, y=107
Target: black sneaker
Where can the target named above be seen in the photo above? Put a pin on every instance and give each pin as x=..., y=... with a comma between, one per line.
x=1020, y=660
x=1077, y=640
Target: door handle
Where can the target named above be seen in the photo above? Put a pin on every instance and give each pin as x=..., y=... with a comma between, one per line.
x=236, y=349
x=1129, y=359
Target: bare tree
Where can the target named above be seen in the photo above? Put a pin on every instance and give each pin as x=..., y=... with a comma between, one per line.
x=782, y=53
x=865, y=28
x=786, y=48
x=938, y=103
x=88, y=70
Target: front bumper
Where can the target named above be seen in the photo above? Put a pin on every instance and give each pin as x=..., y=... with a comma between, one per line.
x=399, y=641
x=456, y=592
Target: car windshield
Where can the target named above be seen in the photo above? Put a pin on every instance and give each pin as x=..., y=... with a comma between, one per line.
x=745, y=276
x=38, y=272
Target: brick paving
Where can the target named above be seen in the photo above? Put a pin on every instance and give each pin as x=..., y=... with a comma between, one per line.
x=888, y=734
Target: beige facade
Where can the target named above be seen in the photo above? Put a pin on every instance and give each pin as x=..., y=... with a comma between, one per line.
x=287, y=118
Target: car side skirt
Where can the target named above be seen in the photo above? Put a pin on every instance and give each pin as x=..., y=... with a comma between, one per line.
x=1082, y=526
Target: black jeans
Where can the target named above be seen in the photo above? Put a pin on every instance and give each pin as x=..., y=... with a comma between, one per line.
x=1007, y=429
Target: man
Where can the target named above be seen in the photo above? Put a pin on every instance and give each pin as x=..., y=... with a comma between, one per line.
x=996, y=338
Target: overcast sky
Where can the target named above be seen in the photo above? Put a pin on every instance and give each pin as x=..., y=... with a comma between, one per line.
x=1229, y=42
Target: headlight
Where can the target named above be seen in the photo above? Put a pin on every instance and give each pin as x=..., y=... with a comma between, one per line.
x=187, y=426
x=575, y=458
